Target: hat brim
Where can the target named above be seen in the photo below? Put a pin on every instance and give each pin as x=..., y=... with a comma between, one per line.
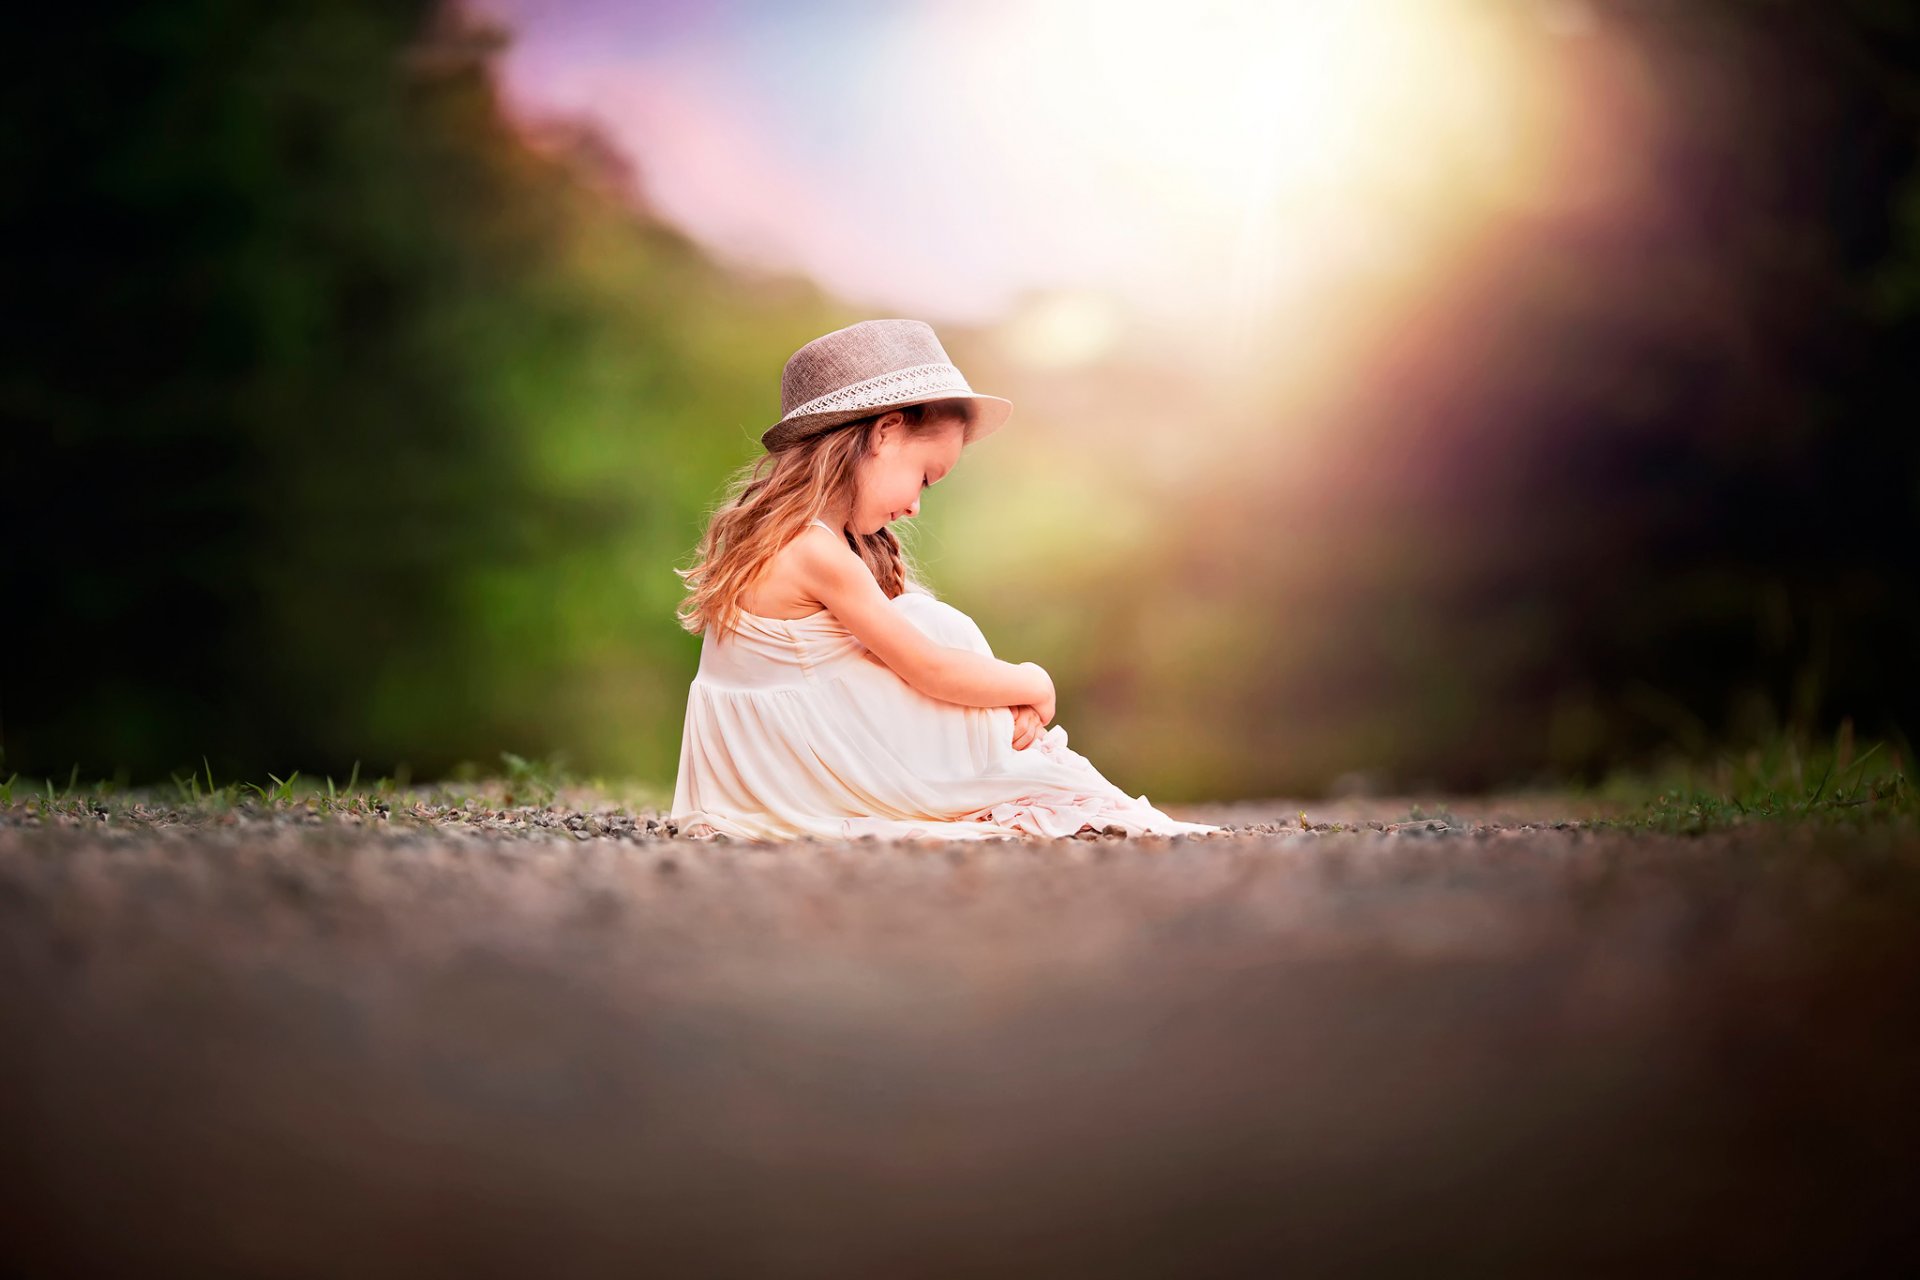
x=994, y=412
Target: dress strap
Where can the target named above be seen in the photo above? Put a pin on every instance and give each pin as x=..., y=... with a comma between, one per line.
x=822, y=523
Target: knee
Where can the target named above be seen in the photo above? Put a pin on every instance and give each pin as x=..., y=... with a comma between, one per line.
x=948, y=625
x=962, y=632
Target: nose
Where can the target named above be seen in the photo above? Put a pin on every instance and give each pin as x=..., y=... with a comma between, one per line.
x=912, y=509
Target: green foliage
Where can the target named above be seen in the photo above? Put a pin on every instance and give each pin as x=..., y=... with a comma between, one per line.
x=352, y=779
x=393, y=423
x=526, y=782
x=281, y=792
x=1785, y=780
x=532, y=781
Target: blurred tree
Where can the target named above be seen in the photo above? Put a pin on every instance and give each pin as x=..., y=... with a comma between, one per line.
x=342, y=421
x=1651, y=476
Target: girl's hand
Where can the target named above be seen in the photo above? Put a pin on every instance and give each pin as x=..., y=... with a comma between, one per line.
x=1043, y=704
x=1027, y=726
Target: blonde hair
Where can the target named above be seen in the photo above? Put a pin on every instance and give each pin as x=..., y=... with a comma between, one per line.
x=760, y=514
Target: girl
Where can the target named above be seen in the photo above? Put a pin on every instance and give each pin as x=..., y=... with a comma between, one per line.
x=836, y=696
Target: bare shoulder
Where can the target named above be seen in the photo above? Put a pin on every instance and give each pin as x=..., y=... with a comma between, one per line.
x=813, y=540
x=813, y=551
x=784, y=583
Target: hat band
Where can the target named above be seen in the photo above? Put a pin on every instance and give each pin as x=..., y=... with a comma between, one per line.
x=918, y=382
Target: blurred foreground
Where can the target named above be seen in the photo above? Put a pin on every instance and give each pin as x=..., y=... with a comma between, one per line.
x=411, y=1038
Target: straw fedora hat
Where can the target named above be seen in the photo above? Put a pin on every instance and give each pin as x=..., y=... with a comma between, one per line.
x=857, y=371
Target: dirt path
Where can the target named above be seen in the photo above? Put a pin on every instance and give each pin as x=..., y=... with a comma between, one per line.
x=518, y=1045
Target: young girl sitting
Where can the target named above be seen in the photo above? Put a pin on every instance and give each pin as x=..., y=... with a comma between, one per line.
x=836, y=696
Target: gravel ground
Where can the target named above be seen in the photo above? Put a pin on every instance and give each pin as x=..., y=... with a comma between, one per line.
x=465, y=1041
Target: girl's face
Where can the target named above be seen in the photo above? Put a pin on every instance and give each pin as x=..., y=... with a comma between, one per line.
x=899, y=468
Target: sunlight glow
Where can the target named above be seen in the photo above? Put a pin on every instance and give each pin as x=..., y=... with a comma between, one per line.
x=1060, y=331
x=1236, y=152
x=1203, y=169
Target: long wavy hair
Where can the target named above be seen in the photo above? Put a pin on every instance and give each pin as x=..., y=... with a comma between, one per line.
x=761, y=513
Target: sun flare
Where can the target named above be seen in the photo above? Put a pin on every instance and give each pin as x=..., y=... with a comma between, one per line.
x=1246, y=144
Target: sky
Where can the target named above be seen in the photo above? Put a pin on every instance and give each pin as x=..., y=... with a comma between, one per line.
x=1071, y=162
x=780, y=135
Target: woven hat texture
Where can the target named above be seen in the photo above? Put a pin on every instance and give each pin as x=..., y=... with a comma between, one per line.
x=857, y=371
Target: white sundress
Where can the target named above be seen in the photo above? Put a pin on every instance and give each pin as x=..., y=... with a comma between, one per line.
x=794, y=730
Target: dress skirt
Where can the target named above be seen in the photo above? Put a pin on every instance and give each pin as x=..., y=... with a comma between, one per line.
x=795, y=730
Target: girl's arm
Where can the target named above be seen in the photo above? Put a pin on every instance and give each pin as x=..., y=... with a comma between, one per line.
x=842, y=582
x=975, y=680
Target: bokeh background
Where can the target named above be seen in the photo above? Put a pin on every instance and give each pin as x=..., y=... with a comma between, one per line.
x=1409, y=392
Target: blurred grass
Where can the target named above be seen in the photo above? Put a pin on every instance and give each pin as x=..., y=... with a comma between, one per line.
x=519, y=782
x=1790, y=777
